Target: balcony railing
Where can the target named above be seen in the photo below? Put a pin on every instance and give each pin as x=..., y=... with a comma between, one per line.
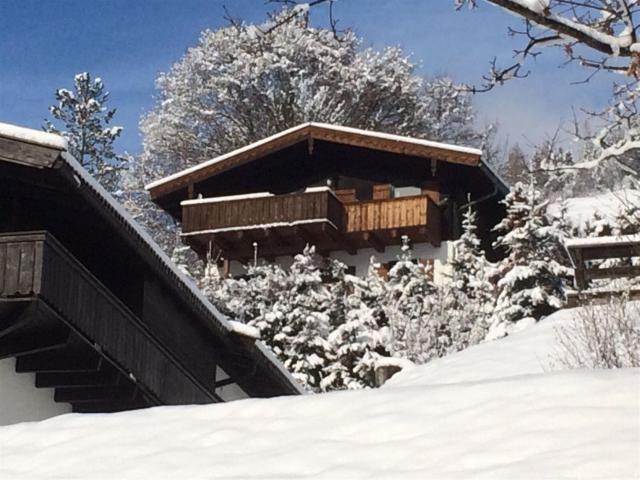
x=282, y=224
x=391, y=213
x=262, y=211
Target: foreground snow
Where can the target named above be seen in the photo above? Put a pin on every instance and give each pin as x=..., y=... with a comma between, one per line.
x=493, y=411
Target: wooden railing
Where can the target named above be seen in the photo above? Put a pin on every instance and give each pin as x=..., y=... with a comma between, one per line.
x=391, y=213
x=267, y=210
x=36, y=265
x=283, y=224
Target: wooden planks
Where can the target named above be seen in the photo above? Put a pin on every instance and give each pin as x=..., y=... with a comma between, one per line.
x=69, y=291
x=263, y=211
x=18, y=151
x=20, y=264
x=318, y=132
x=389, y=214
x=277, y=223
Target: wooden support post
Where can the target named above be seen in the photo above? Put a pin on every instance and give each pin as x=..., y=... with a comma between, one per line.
x=305, y=235
x=342, y=241
x=382, y=192
x=226, y=268
x=373, y=240
x=581, y=281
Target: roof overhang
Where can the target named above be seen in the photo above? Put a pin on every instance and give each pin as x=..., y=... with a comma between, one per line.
x=46, y=152
x=309, y=132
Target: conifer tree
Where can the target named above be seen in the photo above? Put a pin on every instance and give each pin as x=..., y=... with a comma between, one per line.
x=409, y=304
x=360, y=334
x=85, y=122
x=470, y=294
x=302, y=310
x=530, y=279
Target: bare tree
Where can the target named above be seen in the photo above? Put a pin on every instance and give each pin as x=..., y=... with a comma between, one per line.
x=601, y=336
x=598, y=34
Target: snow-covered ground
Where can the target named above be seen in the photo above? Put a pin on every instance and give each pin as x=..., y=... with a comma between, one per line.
x=581, y=210
x=493, y=411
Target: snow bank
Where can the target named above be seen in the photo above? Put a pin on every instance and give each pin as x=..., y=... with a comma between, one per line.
x=491, y=412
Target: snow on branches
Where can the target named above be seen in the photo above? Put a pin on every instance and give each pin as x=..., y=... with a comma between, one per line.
x=530, y=279
x=582, y=28
x=241, y=84
x=86, y=124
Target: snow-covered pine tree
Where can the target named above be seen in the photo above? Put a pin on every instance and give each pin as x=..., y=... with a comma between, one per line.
x=628, y=219
x=263, y=285
x=360, y=333
x=302, y=310
x=469, y=295
x=530, y=279
x=84, y=120
x=413, y=310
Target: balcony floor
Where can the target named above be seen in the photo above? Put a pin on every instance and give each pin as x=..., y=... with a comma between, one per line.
x=289, y=239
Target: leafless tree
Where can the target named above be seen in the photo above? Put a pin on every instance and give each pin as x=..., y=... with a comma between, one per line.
x=600, y=35
x=601, y=336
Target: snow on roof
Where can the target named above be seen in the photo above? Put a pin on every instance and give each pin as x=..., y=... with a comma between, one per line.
x=325, y=126
x=244, y=329
x=494, y=411
x=603, y=241
x=50, y=140
x=247, y=196
x=581, y=210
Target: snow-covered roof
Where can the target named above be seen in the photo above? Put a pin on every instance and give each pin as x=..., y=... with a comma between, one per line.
x=36, y=137
x=606, y=241
x=494, y=411
x=248, y=196
x=317, y=130
x=580, y=211
x=144, y=239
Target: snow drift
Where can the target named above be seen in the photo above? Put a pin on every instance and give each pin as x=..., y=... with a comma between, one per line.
x=492, y=411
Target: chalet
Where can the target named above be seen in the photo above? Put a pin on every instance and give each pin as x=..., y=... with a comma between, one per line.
x=93, y=316
x=352, y=193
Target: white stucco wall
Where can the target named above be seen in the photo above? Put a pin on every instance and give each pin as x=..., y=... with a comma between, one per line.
x=21, y=401
x=360, y=260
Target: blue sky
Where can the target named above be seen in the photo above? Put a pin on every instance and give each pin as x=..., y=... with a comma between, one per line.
x=43, y=43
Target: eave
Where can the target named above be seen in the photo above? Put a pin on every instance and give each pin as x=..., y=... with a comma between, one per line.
x=310, y=132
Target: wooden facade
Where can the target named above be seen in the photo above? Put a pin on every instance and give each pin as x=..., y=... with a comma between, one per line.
x=284, y=224
x=313, y=134
x=587, y=255
x=91, y=305
x=340, y=189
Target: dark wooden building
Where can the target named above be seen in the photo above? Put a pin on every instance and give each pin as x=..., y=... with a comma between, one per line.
x=93, y=308
x=344, y=190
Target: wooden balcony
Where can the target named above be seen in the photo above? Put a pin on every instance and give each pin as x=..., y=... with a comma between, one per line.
x=60, y=322
x=283, y=224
